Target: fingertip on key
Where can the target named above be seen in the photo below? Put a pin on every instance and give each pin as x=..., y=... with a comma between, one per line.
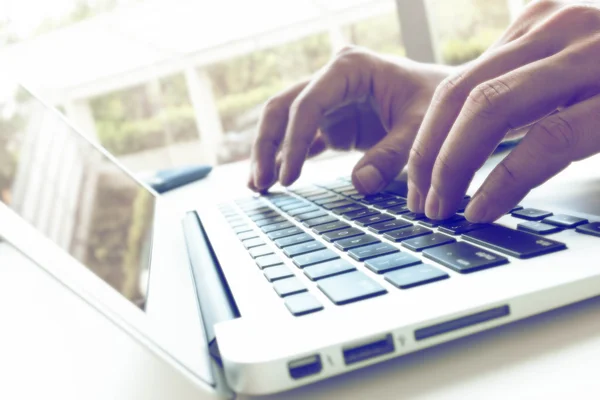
x=369, y=179
x=477, y=209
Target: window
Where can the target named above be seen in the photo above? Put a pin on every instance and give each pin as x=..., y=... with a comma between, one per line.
x=163, y=83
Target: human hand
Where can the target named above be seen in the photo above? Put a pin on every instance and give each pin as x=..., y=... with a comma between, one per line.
x=544, y=71
x=360, y=100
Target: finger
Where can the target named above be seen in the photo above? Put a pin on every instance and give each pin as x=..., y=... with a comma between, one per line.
x=497, y=106
x=344, y=80
x=550, y=146
x=271, y=128
x=447, y=102
x=384, y=161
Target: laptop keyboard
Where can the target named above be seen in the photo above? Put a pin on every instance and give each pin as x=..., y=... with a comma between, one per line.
x=376, y=231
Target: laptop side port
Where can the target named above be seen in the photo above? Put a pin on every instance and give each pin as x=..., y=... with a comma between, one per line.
x=305, y=366
x=366, y=350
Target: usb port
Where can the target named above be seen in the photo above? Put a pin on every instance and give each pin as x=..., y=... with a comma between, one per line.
x=365, y=351
x=305, y=366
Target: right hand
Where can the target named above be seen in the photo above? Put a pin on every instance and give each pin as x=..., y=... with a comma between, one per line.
x=360, y=100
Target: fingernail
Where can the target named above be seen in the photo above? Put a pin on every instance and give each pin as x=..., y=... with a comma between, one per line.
x=370, y=179
x=415, y=200
x=433, y=204
x=477, y=209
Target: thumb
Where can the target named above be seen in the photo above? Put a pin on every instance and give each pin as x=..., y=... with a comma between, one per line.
x=384, y=161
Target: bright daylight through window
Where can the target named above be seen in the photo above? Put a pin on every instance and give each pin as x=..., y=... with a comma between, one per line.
x=165, y=83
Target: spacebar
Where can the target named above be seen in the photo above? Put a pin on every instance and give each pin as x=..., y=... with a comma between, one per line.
x=512, y=242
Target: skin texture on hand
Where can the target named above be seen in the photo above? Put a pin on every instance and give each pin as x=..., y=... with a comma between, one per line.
x=360, y=100
x=544, y=73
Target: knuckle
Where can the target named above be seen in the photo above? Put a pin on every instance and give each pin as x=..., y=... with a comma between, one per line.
x=417, y=157
x=488, y=99
x=541, y=6
x=451, y=88
x=580, y=16
x=274, y=107
x=348, y=48
x=349, y=57
x=443, y=171
x=556, y=134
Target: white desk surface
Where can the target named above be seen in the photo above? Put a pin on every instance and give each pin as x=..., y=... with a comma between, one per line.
x=54, y=346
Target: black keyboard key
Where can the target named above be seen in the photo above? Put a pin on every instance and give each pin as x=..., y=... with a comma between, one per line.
x=242, y=229
x=327, y=269
x=357, y=197
x=350, y=287
x=268, y=221
x=278, y=272
x=295, y=206
x=460, y=227
x=425, y=242
x=434, y=223
x=315, y=257
x=320, y=196
x=411, y=216
x=531, y=214
x=268, y=261
x=311, y=215
x=294, y=230
x=398, y=210
x=275, y=227
x=418, y=275
x=305, y=190
x=372, y=251
x=352, y=192
x=284, y=201
x=254, y=242
x=464, y=257
x=343, y=188
x=463, y=204
x=303, y=248
x=270, y=213
x=512, y=242
x=247, y=235
x=348, y=209
x=354, y=215
x=373, y=219
x=302, y=210
x=289, y=286
x=338, y=204
x=589, y=229
x=302, y=303
x=384, y=205
x=565, y=221
x=260, y=251
x=236, y=223
x=330, y=227
x=325, y=219
x=377, y=198
x=391, y=262
x=331, y=199
x=293, y=240
x=342, y=234
x=515, y=208
x=352, y=243
x=537, y=227
x=387, y=226
x=409, y=232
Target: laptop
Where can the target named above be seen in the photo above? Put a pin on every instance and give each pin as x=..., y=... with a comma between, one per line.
x=262, y=294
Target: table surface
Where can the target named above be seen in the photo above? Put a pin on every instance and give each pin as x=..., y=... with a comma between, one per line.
x=54, y=345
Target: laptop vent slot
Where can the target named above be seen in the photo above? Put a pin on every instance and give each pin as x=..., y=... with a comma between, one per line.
x=462, y=322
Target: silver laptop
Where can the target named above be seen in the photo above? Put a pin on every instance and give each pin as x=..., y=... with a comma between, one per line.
x=262, y=294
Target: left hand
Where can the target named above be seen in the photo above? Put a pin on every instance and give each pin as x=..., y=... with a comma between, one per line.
x=544, y=72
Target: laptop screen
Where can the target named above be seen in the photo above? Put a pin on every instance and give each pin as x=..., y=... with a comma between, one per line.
x=55, y=179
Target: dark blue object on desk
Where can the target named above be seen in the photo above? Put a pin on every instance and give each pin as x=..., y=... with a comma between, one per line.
x=172, y=178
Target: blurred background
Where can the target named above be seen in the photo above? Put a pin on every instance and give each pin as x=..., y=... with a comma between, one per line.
x=164, y=83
